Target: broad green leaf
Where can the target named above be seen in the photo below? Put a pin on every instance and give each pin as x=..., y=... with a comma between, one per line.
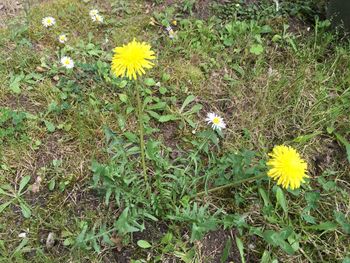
x=25, y=180
x=264, y=197
x=266, y=258
x=307, y=137
x=4, y=205
x=143, y=244
x=122, y=84
x=166, y=118
x=123, y=97
x=240, y=247
x=342, y=221
x=281, y=199
x=226, y=251
x=25, y=209
x=345, y=143
x=52, y=184
x=150, y=82
x=187, y=101
x=50, y=126
x=69, y=241
x=196, y=108
x=324, y=226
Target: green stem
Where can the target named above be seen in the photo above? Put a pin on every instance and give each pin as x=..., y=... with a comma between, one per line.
x=142, y=140
x=231, y=184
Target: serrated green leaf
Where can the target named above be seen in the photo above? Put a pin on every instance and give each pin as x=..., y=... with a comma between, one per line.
x=256, y=49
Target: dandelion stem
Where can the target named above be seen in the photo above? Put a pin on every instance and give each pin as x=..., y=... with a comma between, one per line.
x=215, y=189
x=142, y=140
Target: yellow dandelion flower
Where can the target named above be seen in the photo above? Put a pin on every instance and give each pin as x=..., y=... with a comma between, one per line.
x=132, y=59
x=287, y=167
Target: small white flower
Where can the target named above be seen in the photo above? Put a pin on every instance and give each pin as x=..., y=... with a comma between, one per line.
x=97, y=18
x=67, y=62
x=22, y=235
x=93, y=12
x=62, y=38
x=48, y=21
x=217, y=123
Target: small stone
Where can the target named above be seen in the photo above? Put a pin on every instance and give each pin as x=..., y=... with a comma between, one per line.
x=50, y=241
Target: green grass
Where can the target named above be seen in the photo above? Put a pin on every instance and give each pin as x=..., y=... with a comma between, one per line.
x=80, y=135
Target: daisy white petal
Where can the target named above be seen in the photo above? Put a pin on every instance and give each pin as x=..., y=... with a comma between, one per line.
x=216, y=122
x=67, y=62
x=48, y=21
x=93, y=12
x=62, y=38
x=97, y=18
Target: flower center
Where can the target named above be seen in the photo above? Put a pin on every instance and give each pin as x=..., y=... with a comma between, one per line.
x=216, y=120
x=67, y=62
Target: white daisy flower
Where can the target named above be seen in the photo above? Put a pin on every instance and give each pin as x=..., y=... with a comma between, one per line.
x=67, y=62
x=62, y=38
x=93, y=12
x=97, y=18
x=48, y=21
x=217, y=123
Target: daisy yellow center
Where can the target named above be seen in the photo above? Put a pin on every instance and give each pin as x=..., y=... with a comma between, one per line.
x=49, y=21
x=67, y=62
x=287, y=167
x=216, y=120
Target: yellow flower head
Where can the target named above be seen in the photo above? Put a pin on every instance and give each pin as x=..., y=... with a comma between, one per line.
x=132, y=59
x=287, y=167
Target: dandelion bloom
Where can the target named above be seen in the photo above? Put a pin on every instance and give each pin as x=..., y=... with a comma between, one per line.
x=287, y=167
x=48, y=21
x=67, y=62
x=62, y=38
x=217, y=123
x=132, y=59
x=97, y=18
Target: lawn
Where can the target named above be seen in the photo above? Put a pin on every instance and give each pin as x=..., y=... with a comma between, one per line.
x=96, y=166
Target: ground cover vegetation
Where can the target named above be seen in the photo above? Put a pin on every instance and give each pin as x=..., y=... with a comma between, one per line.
x=173, y=131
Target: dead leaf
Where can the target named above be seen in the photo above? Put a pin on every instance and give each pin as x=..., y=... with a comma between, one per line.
x=118, y=242
x=35, y=188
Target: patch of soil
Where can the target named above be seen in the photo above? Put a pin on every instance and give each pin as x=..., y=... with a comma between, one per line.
x=50, y=150
x=8, y=9
x=212, y=247
x=21, y=102
x=323, y=160
x=168, y=131
x=202, y=9
x=153, y=233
